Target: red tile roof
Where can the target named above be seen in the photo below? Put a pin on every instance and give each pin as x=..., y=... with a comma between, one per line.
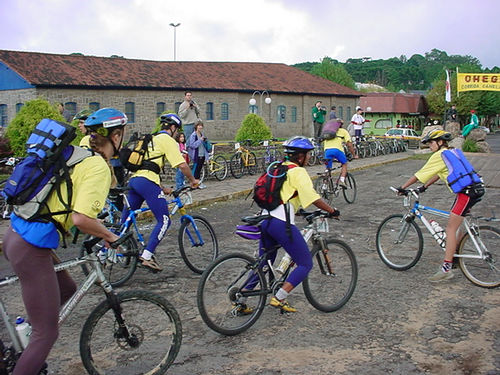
x=43, y=69
x=390, y=102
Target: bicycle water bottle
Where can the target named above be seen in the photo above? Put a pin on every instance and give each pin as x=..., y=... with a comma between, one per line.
x=23, y=330
x=440, y=233
x=285, y=262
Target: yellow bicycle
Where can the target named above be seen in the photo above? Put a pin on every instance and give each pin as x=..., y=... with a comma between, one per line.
x=214, y=166
x=243, y=160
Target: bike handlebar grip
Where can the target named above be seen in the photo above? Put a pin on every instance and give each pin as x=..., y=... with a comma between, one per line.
x=89, y=243
x=120, y=240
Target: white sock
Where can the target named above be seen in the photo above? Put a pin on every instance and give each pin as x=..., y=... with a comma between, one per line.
x=146, y=254
x=281, y=294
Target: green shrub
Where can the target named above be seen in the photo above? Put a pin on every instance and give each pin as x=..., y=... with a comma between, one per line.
x=31, y=113
x=470, y=146
x=253, y=127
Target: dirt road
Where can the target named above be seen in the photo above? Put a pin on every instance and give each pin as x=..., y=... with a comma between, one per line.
x=396, y=322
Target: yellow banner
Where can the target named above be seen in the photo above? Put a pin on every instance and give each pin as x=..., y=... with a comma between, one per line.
x=478, y=81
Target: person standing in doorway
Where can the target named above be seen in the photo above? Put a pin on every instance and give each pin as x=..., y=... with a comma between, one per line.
x=318, y=115
x=189, y=112
x=358, y=120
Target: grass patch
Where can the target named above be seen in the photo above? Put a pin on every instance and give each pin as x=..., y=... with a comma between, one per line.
x=425, y=156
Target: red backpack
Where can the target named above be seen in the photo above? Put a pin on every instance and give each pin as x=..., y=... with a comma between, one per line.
x=267, y=189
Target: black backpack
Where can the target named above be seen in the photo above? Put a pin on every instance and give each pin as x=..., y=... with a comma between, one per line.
x=267, y=189
x=134, y=156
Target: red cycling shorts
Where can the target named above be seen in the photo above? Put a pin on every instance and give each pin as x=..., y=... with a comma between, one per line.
x=463, y=203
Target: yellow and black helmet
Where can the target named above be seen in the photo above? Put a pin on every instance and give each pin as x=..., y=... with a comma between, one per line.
x=437, y=134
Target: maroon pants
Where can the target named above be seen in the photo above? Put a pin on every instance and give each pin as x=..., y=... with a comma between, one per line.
x=43, y=291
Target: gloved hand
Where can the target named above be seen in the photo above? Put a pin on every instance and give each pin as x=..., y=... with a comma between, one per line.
x=421, y=189
x=402, y=191
x=334, y=215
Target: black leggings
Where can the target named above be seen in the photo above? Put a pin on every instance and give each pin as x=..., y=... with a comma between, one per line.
x=197, y=167
x=43, y=291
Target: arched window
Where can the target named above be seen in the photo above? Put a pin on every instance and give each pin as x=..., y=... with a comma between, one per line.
x=71, y=108
x=294, y=114
x=209, y=114
x=383, y=123
x=281, y=113
x=160, y=108
x=253, y=109
x=18, y=107
x=340, y=112
x=94, y=106
x=130, y=111
x=348, y=114
x=3, y=115
x=224, y=111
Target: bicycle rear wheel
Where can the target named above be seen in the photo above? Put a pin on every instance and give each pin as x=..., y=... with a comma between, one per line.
x=118, y=265
x=252, y=166
x=481, y=272
x=324, y=187
x=219, y=166
x=312, y=159
x=222, y=302
x=198, y=246
x=236, y=165
x=332, y=280
x=350, y=191
x=399, y=242
x=151, y=345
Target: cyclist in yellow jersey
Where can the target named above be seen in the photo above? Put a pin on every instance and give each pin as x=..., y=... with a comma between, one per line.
x=28, y=244
x=436, y=169
x=334, y=149
x=145, y=184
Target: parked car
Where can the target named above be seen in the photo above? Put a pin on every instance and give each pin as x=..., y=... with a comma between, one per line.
x=408, y=135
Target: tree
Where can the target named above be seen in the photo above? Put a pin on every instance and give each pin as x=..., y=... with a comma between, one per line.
x=334, y=72
x=30, y=114
x=253, y=127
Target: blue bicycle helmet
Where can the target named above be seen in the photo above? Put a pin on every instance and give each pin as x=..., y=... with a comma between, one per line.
x=298, y=144
x=103, y=119
x=171, y=119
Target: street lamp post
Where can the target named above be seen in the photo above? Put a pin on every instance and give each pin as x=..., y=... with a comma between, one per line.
x=174, y=25
x=252, y=100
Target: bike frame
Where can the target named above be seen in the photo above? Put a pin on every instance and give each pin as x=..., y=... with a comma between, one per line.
x=417, y=211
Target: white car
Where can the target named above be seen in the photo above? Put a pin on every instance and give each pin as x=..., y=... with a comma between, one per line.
x=409, y=135
x=487, y=130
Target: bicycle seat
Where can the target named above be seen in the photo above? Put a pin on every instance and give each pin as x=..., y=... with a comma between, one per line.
x=254, y=220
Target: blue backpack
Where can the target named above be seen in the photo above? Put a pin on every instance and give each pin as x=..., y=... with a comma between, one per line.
x=50, y=157
x=461, y=172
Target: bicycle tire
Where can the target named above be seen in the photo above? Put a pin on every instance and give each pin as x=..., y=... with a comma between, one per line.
x=329, y=290
x=324, y=187
x=351, y=191
x=219, y=287
x=203, y=173
x=236, y=165
x=312, y=159
x=404, y=255
x=158, y=337
x=252, y=166
x=220, y=167
x=277, y=155
x=118, y=268
x=197, y=256
x=481, y=272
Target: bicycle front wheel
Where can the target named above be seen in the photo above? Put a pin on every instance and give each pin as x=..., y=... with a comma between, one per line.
x=236, y=165
x=251, y=164
x=219, y=167
x=481, y=272
x=223, y=302
x=197, y=243
x=350, y=191
x=324, y=187
x=399, y=242
x=332, y=280
x=118, y=265
x=138, y=345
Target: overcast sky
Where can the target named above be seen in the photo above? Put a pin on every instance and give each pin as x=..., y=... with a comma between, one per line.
x=282, y=31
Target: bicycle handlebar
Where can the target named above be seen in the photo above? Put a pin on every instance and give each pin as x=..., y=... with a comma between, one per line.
x=94, y=241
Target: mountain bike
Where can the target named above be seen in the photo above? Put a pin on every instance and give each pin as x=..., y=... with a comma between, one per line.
x=316, y=155
x=116, y=337
x=198, y=243
x=400, y=242
x=328, y=187
x=225, y=283
x=243, y=160
x=214, y=166
x=272, y=153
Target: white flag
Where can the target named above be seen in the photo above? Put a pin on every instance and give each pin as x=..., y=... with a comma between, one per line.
x=448, y=87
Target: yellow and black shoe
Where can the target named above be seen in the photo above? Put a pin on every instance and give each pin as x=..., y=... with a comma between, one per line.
x=241, y=309
x=283, y=305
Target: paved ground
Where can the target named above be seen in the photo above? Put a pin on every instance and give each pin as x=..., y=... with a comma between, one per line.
x=396, y=322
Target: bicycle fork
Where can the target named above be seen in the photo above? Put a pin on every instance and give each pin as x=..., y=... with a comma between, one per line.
x=324, y=261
